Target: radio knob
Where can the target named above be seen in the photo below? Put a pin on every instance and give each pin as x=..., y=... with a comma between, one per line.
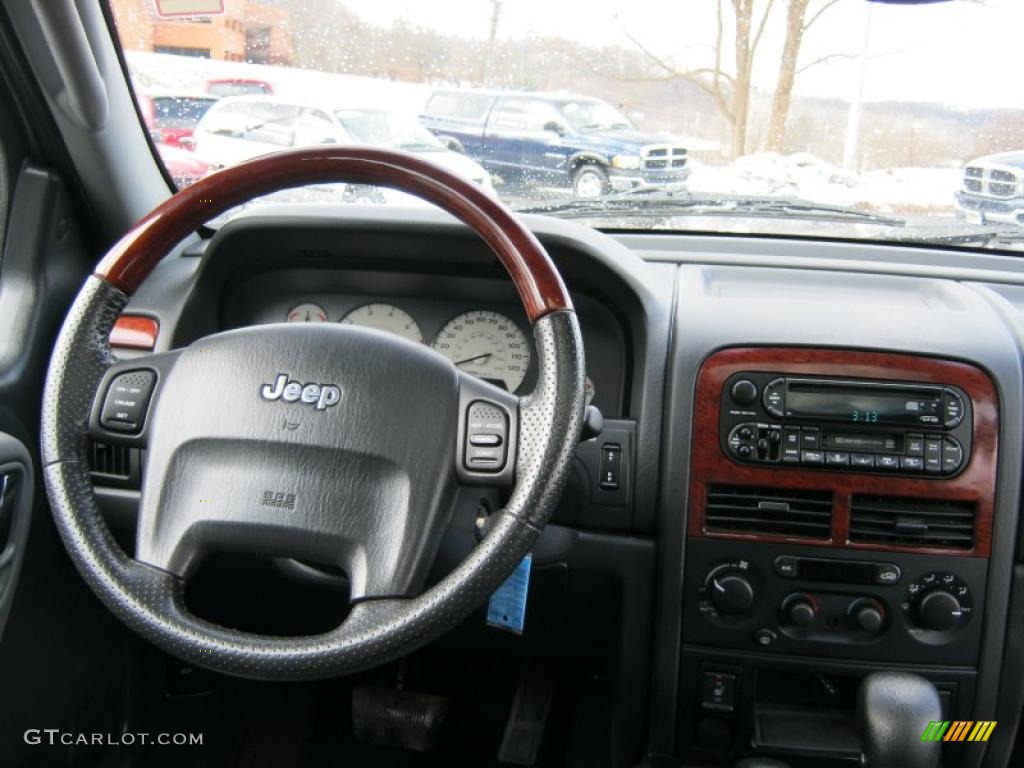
x=744, y=392
x=800, y=610
x=731, y=593
x=869, y=615
x=939, y=610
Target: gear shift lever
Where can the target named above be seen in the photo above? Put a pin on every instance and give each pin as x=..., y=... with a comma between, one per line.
x=893, y=709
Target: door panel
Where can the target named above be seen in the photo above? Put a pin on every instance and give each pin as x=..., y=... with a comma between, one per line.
x=16, y=484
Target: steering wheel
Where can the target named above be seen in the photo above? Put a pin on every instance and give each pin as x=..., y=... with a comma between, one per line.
x=324, y=442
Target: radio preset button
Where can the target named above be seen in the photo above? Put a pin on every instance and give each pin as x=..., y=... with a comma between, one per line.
x=912, y=463
x=952, y=455
x=862, y=460
x=812, y=457
x=837, y=459
x=885, y=461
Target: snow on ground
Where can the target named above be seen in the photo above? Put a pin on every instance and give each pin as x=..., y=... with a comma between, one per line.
x=802, y=175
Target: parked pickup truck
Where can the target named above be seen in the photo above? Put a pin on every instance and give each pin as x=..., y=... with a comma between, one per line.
x=993, y=189
x=555, y=138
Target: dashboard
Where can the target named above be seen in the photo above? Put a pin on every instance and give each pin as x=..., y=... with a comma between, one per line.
x=819, y=458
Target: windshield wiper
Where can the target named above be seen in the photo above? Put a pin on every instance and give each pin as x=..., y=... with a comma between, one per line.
x=655, y=202
x=984, y=238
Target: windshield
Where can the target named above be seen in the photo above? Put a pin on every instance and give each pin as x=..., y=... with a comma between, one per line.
x=388, y=129
x=839, y=119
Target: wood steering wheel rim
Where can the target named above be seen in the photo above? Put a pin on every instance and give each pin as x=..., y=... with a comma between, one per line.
x=136, y=254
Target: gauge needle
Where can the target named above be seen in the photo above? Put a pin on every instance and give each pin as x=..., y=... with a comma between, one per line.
x=484, y=356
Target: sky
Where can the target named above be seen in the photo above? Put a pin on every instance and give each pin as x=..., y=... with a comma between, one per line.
x=962, y=53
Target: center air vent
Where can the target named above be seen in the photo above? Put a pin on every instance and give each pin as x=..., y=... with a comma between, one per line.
x=741, y=509
x=912, y=522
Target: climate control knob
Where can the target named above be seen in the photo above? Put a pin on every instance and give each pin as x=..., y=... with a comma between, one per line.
x=868, y=614
x=800, y=610
x=938, y=602
x=939, y=610
x=731, y=592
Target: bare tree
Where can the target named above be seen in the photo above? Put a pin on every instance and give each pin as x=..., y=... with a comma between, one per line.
x=797, y=24
x=731, y=91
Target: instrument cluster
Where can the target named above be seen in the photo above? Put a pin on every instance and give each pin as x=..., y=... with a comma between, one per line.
x=481, y=342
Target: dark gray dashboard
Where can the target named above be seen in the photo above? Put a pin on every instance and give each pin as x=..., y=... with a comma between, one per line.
x=653, y=309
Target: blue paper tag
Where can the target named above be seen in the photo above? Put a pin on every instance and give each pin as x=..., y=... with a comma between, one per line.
x=507, y=606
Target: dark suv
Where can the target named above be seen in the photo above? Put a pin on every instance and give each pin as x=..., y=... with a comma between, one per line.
x=555, y=138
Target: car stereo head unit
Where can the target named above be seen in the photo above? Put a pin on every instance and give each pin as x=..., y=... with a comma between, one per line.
x=864, y=402
x=845, y=424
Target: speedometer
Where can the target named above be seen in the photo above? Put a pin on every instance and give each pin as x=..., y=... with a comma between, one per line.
x=385, y=317
x=307, y=313
x=488, y=345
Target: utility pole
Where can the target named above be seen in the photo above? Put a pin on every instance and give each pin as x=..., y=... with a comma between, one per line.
x=851, y=145
x=495, y=18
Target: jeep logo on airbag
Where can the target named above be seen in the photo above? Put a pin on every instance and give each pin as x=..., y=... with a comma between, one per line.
x=322, y=396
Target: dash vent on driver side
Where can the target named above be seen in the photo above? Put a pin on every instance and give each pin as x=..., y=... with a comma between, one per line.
x=778, y=511
x=912, y=522
x=106, y=459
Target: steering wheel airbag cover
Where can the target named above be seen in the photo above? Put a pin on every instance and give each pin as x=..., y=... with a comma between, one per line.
x=150, y=601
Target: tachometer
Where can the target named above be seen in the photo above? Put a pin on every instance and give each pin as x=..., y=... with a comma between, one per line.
x=307, y=313
x=487, y=345
x=385, y=317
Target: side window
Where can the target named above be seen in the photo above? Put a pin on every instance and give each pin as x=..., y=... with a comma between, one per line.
x=471, y=107
x=539, y=114
x=315, y=127
x=271, y=124
x=510, y=115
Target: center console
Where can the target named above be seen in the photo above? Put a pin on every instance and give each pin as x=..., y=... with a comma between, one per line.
x=840, y=520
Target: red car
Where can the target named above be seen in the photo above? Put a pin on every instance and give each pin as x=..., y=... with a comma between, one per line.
x=171, y=118
x=183, y=166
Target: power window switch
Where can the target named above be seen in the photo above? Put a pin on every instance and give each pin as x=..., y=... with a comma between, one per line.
x=611, y=466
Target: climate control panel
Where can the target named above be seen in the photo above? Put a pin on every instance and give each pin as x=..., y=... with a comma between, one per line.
x=791, y=599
